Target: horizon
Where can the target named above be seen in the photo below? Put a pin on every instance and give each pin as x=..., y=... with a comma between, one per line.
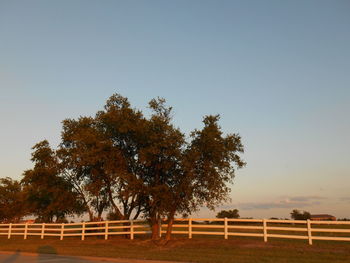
x=278, y=73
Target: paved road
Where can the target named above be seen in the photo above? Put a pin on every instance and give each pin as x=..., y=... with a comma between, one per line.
x=16, y=257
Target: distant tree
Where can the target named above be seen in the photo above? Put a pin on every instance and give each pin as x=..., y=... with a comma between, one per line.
x=300, y=215
x=62, y=220
x=111, y=215
x=12, y=207
x=228, y=213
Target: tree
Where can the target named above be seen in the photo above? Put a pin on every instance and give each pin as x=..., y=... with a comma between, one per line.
x=48, y=196
x=160, y=166
x=129, y=164
x=12, y=207
x=81, y=155
x=300, y=215
x=179, y=176
x=209, y=164
x=125, y=128
x=99, y=155
x=228, y=214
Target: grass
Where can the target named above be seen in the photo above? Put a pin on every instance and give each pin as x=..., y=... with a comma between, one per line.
x=214, y=249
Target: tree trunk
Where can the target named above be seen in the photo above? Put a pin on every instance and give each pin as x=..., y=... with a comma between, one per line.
x=169, y=229
x=155, y=225
x=137, y=212
x=155, y=230
x=99, y=217
x=91, y=215
x=170, y=226
x=115, y=207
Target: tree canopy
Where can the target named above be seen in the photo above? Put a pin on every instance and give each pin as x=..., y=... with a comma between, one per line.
x=127, y=163
x=300, y=215
x=48, y=194
x=228, y=214
x=12, y=207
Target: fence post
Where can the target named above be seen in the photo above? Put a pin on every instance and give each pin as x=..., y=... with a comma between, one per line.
x=309, y=231
x=131, y=229
x=106, y=230
x=225, y=228
x=9, y=233
x=42, y=230
x=62, y=231
x=83, y=232
x=25, y=231
x=190, y=228
x=265, y=230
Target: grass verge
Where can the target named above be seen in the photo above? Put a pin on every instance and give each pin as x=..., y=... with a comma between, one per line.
x=242, y=250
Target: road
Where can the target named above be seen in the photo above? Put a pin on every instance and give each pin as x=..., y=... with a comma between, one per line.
x=15, y=257
x=18, y=258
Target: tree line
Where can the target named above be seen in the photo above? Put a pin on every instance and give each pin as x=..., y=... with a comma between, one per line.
x=126, y=164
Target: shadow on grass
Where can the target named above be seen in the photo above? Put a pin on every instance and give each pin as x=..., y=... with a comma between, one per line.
x=49, y=254
x=12, y=258
x=46, y=253
x=46, y=250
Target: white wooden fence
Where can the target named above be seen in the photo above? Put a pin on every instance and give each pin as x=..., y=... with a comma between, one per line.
x=264, y=228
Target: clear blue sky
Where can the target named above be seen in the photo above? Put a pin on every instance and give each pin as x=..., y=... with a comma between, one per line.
x=278, y=72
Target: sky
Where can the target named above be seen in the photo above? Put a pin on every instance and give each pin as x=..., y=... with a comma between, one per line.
x=277, y=72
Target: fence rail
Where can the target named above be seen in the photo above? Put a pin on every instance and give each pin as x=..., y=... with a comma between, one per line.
x=264, y=228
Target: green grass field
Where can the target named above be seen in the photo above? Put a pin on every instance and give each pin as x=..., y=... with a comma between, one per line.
x=198, y=249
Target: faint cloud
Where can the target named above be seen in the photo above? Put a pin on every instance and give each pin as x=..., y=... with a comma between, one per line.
x=269, y=205
x=306, y=198
x=345, y=199
x=288, y=202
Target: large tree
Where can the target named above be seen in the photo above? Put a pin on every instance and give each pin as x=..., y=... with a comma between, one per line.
x=128, y=163
x=124, y=127
x=208, y=167
x=179, y=176
x=81, y=156
x=160, y=166
x=100, y=155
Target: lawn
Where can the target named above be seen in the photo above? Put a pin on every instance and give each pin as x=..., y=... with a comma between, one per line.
x=242, y=250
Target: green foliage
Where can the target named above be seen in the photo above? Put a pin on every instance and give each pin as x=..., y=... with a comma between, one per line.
x=300, y=215
x=228, y=214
